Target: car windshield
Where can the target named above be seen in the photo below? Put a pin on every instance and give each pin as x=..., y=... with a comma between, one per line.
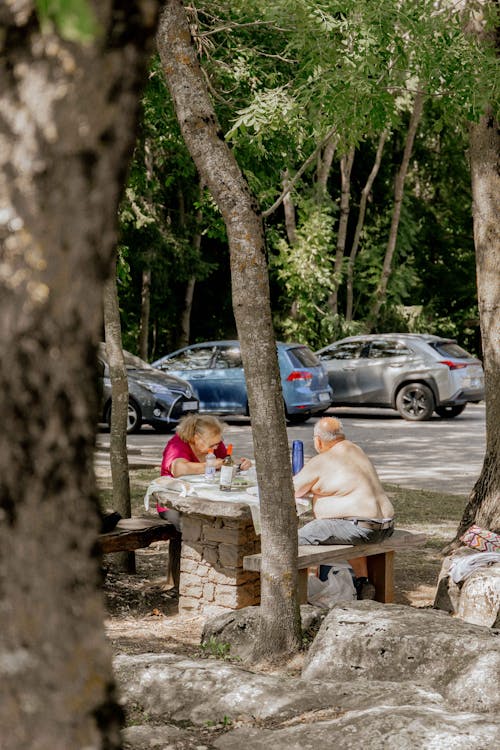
x=135, y=363
x=303, y=357
x=131, y=361
x=451, y=349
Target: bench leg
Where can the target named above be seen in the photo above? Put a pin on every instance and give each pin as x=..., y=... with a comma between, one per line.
x=302, y=585
x=381, y=574
x=174, y=560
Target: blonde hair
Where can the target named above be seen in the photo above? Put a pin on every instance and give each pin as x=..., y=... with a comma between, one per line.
x=198, y=424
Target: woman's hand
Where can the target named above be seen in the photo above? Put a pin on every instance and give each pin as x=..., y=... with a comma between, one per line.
x=244, y=464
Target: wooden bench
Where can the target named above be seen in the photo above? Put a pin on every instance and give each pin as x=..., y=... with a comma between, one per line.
x=135, y=533
x=380, y=560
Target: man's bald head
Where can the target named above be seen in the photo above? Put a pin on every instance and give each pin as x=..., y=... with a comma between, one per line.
x=329, y=429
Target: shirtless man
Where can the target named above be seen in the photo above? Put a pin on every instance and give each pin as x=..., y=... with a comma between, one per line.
x=348, y=500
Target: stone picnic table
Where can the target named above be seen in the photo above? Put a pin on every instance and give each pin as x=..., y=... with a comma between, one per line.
x=218, y=531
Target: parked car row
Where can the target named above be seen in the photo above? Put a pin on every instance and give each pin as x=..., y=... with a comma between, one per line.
x=415, y=374
x=215, y=370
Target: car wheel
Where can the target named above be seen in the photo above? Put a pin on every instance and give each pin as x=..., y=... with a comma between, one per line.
x=134, y=417
x=297, y=418
x=415, y=402
x=447, y=412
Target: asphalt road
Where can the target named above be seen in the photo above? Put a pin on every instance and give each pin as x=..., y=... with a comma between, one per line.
x=445, y=455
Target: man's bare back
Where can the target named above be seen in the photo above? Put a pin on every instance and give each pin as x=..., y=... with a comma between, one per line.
x=344, y=484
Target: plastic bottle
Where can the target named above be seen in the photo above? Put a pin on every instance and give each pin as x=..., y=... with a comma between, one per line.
x=227, y=470
x=210, y=464
x=297, y=456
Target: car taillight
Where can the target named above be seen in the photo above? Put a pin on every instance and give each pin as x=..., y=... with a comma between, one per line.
x=453, y=365
x=299, y=375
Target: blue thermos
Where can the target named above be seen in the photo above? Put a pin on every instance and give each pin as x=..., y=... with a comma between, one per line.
x=297, y=456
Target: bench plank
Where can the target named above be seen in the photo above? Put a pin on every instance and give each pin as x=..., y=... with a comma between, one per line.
x=311, y=555
x=380, y=561
x=135, y=533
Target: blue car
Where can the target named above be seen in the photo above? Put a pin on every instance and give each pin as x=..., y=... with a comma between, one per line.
x=215, y=370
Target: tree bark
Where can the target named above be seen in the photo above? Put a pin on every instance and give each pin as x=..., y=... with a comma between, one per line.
x=145, y=311
x=118, y=455
x=325, y=159
x=360, y=224
x=289, y=210
x=67, y=129
x=280, y=617
x=483, y=507
x=346, y=163
x=381, y=290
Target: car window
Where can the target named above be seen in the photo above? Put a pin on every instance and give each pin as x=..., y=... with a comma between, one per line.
x=347, y=350
x=198, y=358
x=451, y=349
x=301, y=356
x=228, y=357
x=381, y=349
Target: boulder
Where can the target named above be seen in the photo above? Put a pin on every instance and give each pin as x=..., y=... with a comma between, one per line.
x=144, y=737
x=389, y=642
x=377, y=728
x=238, y=629
x=476, y=599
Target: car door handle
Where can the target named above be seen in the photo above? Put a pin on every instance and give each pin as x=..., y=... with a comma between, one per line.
x=195, y=377
x=349, y=369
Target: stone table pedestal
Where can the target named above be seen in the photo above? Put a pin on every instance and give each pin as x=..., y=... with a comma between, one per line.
x=216, y=535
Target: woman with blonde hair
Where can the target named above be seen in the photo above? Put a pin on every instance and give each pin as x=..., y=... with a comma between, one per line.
x=186, y=452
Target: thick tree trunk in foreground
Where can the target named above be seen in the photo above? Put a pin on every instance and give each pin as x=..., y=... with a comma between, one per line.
x=381, y=290
x=280, y=621
x=483, y=507
x=67, y=126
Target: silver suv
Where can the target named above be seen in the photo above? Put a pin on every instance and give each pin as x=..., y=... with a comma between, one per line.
x=414, y=373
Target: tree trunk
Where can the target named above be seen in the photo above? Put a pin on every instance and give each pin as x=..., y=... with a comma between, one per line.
x=67, y=129
x=483, y=507
x=346, y=163
x=289, y=210
x=381, y=291
x=325, y=159
x=185, y=324
x=280, y=617
x=360, y=224
x=143, y=341
x=145, y=312
x=118, y=455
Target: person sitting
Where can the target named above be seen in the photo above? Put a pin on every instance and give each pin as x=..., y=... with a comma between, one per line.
x=348, y=500
x=186, y=452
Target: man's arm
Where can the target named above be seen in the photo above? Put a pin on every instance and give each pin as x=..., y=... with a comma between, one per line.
x=304, y=481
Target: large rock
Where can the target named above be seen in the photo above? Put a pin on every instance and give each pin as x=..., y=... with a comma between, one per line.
x=238, y=630
x=479, y=601
x=168, y=687
x=377, y=728
x=475, y=600
x=396, y=643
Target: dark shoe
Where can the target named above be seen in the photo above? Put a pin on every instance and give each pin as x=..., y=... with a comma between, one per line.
x=364, y=588
x=109, y=519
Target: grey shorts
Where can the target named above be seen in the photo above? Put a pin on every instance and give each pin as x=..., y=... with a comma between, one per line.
x=339, y=531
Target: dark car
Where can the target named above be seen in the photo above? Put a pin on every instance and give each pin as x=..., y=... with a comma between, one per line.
x=215, y=370
x=417, y=374
x=155, y=398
